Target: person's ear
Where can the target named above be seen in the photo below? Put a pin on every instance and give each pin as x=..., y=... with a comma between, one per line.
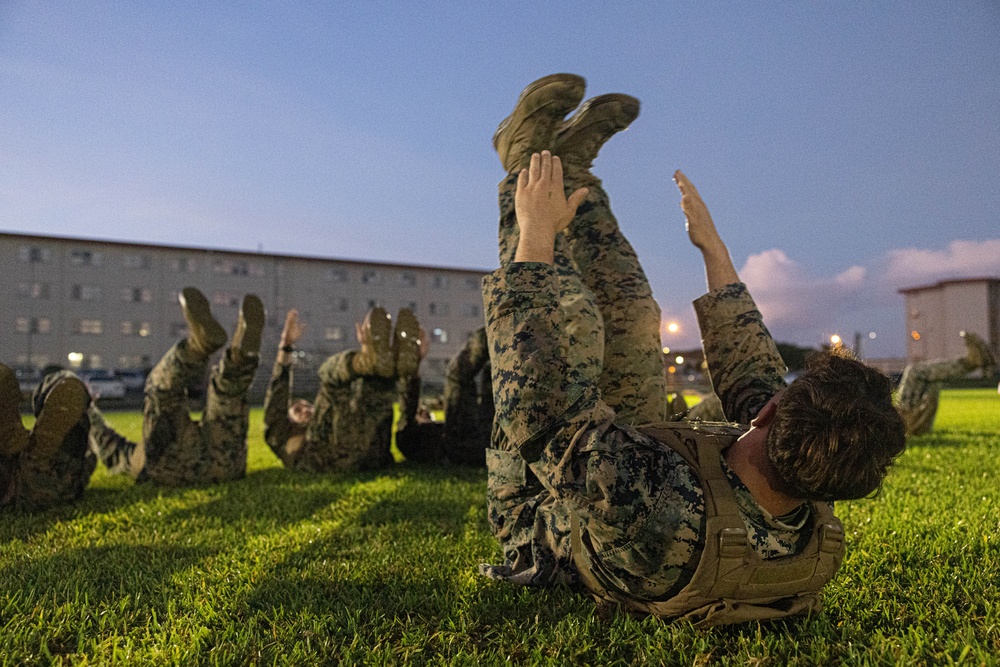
x=766, y=414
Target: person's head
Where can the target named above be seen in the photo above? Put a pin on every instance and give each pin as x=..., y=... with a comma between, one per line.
x=835, y=431
x=300, y=411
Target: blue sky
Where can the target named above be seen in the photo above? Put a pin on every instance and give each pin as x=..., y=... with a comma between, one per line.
x=845, y=149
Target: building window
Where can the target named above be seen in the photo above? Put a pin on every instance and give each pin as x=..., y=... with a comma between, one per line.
x=225, y=299
x=129, y=328
x=371, y=277
x=440, y=309
x=336, y=275
x=439, y=336
x=34, y=325
x=183, y=265
x=408, y=279
x=229, y=267
x=372, y=303
x=471, y=282
x=439, y=281
x=137, y=295
x=334, y=333
x=33, y=254
x=236, y=267
x=471, y=310
x=85, y=292
x=85, y=257
x=133, y=261
x=33, y=290
x=89, y=327
x=178, y=330
x=412, y=305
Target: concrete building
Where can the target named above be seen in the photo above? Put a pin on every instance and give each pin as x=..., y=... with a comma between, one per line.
x=935, y=314
x=85, y=303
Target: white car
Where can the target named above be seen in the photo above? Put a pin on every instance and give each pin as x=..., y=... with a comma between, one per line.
x=102, y=383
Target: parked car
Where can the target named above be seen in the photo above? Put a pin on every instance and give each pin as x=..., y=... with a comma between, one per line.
x=102, y=383
x=134, y=379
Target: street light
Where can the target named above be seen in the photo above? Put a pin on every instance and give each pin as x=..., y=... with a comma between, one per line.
x=835, y=340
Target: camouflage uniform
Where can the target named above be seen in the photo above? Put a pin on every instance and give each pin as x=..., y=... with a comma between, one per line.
x=178, y=451
x=351, y=428
x=569, y=393
x=38, y=478
x=468, y=398
x=113, y=449
x=920, y=388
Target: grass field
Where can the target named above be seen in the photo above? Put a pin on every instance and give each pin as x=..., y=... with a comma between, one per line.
x=285, y=568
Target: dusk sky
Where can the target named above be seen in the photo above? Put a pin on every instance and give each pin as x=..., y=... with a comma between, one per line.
x=845, y=149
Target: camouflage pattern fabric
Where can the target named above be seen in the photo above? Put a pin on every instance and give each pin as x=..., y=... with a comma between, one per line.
x=112, y=448
x=177, y=450
x=351, y=428
x=708, y=410
x=468, y=402
x=562, y=454
x=419, y=443
x=464, y=436
x=41, y=477
x=743, y=360
x=920, y=389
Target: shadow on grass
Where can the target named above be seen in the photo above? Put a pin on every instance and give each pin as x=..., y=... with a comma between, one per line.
x=97, y=574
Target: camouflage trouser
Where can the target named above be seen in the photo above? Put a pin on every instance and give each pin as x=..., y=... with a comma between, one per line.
x=351, y=428
x=112, y=448
x=176, y=450
x=919, y=390
x=419, y=443
x=468, y=401
x=567, y=379
x=47, y=476
x=468, y=398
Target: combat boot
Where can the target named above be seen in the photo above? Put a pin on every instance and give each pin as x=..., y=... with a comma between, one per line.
x=530, y=128
x=205, y=335
x=406, y=344
x=13, y=435
x=375, y=355
x=64, y=406
x=580, y=137
x=249, y=327
x=978, y=353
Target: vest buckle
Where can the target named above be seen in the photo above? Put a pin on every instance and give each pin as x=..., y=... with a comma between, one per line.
x=732, y=543
x=831, y=538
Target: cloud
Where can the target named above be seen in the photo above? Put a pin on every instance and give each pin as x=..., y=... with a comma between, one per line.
x=911, y=267
x=791, y=298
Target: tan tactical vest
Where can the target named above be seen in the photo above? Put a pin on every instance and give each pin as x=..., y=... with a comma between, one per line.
x=732, y=584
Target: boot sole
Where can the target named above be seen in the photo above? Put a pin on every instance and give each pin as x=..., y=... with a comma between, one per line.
x=253, y=317
x=64, y=406
x=380, y=337
x=406, y=342
x=198, y=312
x=562, y=102
x=590, y=113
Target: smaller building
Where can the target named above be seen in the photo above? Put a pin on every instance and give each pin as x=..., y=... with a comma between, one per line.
x=935, y=314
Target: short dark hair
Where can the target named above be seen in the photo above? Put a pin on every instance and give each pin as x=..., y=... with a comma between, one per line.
x=835, y=431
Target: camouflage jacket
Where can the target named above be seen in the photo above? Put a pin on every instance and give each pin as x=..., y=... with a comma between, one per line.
x=638, y=505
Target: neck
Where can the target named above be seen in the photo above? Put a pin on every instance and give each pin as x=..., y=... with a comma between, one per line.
x=748, y=459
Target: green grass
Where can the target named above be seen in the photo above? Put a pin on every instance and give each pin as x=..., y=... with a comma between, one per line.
x=381, y=568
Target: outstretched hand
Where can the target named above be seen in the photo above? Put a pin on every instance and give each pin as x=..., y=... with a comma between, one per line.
x=700, y=228
x=542, y=208
x=293, y=330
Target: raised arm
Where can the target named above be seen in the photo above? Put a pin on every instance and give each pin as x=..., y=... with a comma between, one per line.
x=701, y=230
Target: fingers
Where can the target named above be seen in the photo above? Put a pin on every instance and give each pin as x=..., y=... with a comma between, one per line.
x=577, y=198
x=535, y=168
